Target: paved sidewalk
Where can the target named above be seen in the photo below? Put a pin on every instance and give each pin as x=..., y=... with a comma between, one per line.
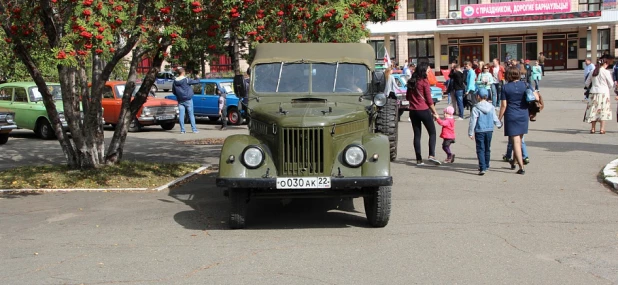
x=555, y=225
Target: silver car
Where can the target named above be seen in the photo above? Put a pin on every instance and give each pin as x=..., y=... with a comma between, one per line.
x=164, y=81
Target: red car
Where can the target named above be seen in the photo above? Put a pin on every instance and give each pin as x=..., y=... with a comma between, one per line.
x=155, y=111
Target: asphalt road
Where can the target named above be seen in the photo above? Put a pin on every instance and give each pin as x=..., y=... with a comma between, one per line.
x=555, y=225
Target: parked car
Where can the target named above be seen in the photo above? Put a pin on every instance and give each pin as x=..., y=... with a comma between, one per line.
x=164, y=81
x=155, y=111
x=401, y=81
x=7, y=123
x=206, y=100
x=25, y=100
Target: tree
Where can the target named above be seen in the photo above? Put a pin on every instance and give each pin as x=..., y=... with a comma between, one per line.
x=234, y=25
x=76, y=35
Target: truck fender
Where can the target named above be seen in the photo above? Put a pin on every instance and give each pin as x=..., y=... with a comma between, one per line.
x=376, y=144
x=234, y=146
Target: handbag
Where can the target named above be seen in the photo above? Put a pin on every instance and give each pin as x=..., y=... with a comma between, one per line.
x=530, y=96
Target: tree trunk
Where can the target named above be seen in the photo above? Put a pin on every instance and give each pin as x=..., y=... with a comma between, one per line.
x=130, y=107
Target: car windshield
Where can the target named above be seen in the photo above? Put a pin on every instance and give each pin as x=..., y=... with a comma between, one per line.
x=310, y=78
x=120, y=90
x=36, y=96
x=228, y=86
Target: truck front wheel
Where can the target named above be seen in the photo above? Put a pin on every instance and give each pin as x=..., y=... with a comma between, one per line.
x=378, y=206
x=239, y=202
x=387, y=124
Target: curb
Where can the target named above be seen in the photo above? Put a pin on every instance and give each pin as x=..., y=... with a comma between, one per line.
x=160, y=188
x=609, y=174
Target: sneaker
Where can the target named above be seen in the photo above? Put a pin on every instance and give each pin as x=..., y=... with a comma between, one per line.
x=419, y=163
x=482, y=172
x=447, y=160
x=452, y=158
x=183, y=132
x=459, y=119
x=505, y=158
x=526, y=161
x=434, y=161
x=223, y=128
x=196, y=132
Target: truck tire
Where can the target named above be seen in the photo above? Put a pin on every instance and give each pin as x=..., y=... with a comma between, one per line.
x=4, y=138
x=378, y=206
x=239, y=201
x=44, y=130
x=387, y=124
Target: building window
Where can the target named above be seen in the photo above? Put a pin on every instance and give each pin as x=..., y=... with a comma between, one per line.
x=221, y=63
x=602, y=42
x=378, y=47
x=455, y=5
x=589, y=5
x=421, y=9
x=420, y=50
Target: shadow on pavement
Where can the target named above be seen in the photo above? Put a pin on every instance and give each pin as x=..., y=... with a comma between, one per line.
x=575, y=146
x=211, y=210
x=18, y=195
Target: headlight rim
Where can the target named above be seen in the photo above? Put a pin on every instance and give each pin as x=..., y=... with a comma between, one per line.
x=253, y=147
x=375, y=97
x=347, y=148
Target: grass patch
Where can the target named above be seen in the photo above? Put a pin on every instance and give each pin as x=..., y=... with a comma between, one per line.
x=212, y=141
x=126, y=174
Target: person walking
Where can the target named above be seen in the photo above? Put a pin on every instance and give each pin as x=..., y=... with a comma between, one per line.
x=471, y=85
x=541, y=61
x=421, y=112
x=459, y=86
x=600, y=82
x=514, y=111
x=482, y=120
x=587, y=71
x=448, y=132
x=537, y=74
x=528, y=68
x=509, y=151
x=390, y=88
x=181, y=88
x=484, y=81
x=222, y=108
x=497, y=71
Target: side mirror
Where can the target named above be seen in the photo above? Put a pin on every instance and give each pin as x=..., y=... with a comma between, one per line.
x=239, y=86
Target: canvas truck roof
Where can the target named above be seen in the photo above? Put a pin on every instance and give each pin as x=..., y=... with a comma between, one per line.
x=359, y=53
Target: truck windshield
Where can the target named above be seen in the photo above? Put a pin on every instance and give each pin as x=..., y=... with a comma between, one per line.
x=310, y=78
x=36, y=96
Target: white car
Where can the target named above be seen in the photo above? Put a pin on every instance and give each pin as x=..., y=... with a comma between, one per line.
x=164, y=81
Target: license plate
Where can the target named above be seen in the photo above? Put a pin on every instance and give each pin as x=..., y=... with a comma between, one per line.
x=405, y=103
x=303, y=183
x=161, y=118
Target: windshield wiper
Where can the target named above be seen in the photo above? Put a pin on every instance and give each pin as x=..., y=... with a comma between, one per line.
x=336, y=72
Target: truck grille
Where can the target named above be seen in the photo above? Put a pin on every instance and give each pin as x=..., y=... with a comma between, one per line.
x=302, y=151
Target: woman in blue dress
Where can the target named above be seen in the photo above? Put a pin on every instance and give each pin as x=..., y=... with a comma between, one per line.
x=514, y=110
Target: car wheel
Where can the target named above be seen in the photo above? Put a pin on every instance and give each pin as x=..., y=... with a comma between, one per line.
x=386, y=123
x=378, y=206
x=168, y=126
x=239, y=201
x=4, y=138
x=233, y=116
x=44, y=130
x=135, y=126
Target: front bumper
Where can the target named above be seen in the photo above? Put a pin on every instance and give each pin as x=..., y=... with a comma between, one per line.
x=7, y=128
x=155, y=120
x=336, y=182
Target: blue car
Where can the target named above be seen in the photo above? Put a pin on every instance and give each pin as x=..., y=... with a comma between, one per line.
x=206, y=100
x=401, y=81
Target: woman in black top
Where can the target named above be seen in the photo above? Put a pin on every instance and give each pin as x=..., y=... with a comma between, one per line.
x=458, y=85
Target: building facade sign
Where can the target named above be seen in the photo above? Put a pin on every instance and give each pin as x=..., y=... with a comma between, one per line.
x=515, y=8
x=486, y=20
x=609, y=4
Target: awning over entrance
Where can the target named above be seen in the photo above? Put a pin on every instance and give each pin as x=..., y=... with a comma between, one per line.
x=609, y=17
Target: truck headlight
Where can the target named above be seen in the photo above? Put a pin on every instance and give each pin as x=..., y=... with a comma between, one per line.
x=354, y=155
x=146, y=111
x=9, y=118
x=177, y=110
x=379, y=100
x=61, y=117
x=252, y=157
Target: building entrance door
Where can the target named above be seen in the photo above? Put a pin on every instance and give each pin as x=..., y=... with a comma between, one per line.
x=470, y=52
x=555, y=52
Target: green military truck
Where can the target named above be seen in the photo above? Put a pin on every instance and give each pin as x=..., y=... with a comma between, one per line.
x=320, y=127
